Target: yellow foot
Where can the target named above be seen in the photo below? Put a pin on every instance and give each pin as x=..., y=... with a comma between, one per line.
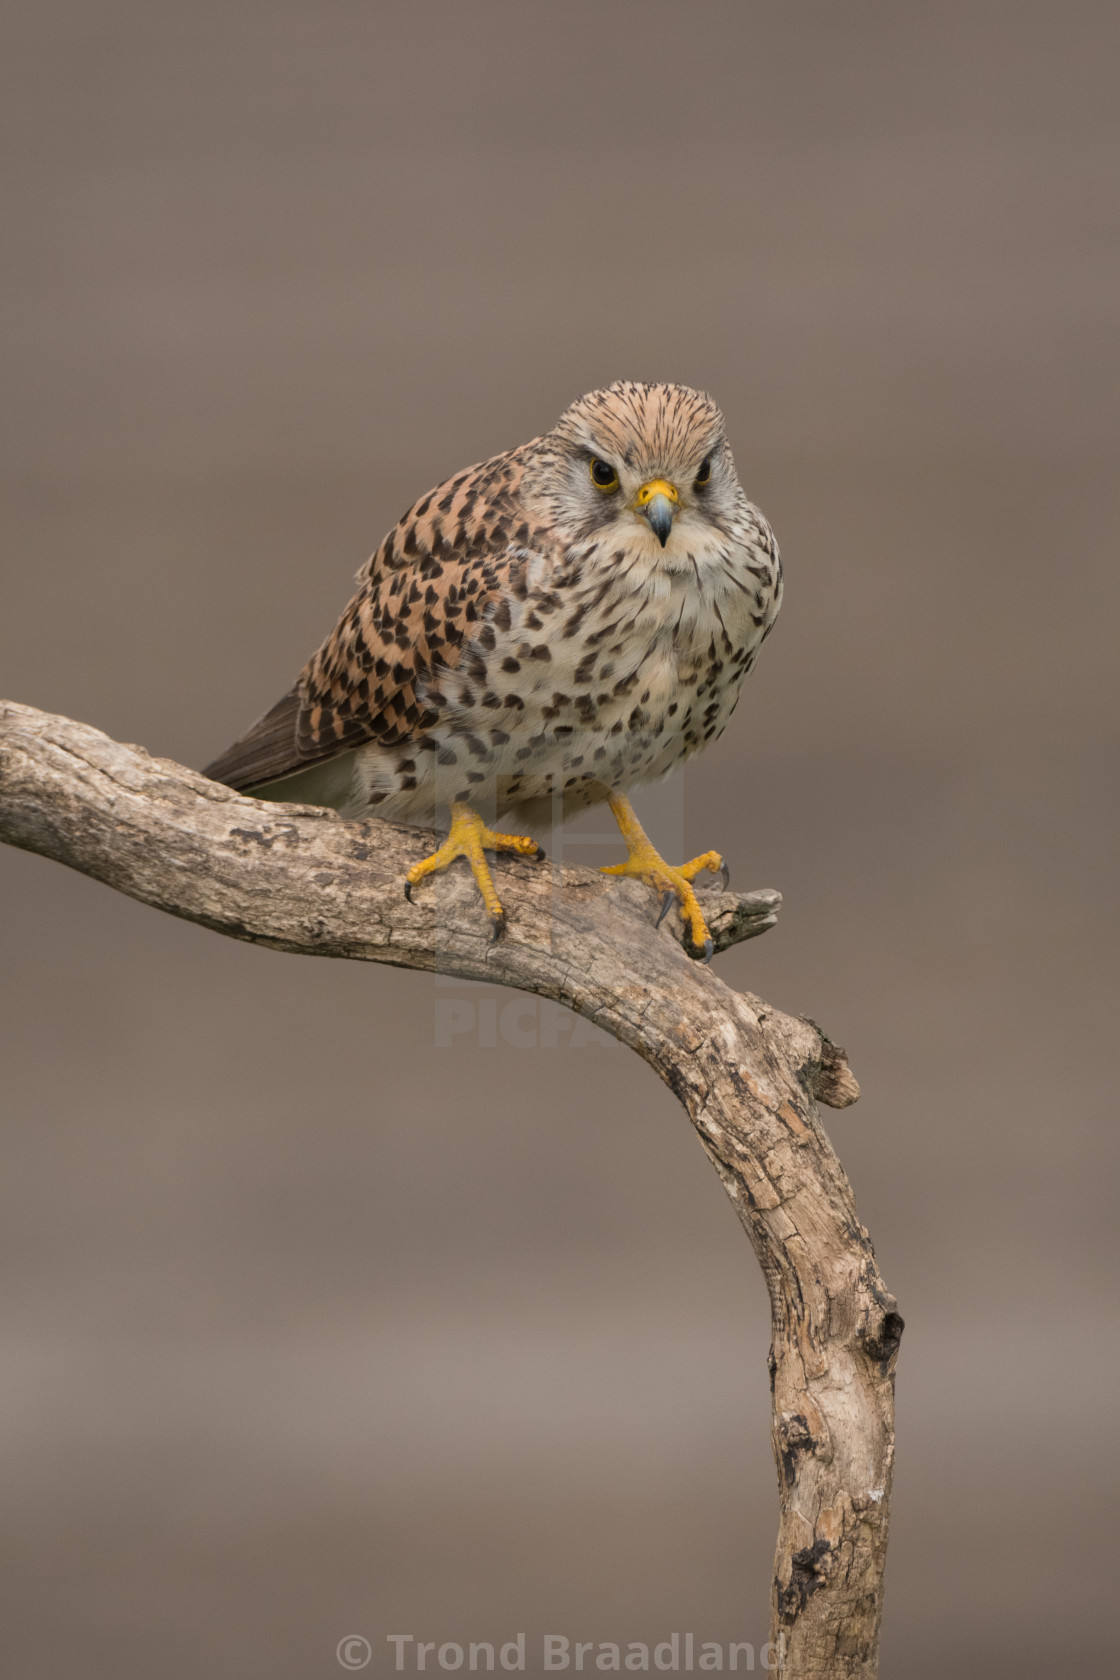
x=646, y=862
x=469, y=838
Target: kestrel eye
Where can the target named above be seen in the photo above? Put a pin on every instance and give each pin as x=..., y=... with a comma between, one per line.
x=603, y=475
x=705, y=472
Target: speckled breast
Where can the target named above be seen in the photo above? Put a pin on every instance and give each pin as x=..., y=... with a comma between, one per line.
x=588, y=679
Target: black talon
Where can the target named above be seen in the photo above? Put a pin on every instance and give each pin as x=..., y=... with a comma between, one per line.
x=666, y=901
x=498, y=926
x=708, y=952
x=540, y=856
x=408, y=891
x=724, y=876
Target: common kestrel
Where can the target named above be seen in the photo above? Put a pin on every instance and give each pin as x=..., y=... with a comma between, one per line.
x=543, y=632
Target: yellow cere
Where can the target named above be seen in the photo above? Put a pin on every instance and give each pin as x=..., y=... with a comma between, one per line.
x=656, y=487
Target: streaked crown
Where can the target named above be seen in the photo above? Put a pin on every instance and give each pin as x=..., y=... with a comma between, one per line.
x=647, y=428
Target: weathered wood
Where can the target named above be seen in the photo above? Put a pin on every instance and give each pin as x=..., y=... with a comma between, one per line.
x=302, y=879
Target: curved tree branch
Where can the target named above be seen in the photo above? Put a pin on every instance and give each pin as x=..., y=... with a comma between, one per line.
x=300, y=878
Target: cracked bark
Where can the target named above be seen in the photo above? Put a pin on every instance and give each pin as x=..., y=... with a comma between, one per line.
x=301, y=879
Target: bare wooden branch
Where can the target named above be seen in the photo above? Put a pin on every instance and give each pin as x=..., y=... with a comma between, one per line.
x=302, y=879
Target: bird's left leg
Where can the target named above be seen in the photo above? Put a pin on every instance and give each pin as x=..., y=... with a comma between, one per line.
x=646, y=862
x=470, y=838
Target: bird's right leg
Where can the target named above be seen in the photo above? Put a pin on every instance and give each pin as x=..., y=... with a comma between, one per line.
x=470, y=838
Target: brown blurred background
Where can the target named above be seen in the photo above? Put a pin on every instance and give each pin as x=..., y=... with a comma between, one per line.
x=310, y=1326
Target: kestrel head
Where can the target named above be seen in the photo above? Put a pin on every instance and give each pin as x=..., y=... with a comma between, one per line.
x=636, y=462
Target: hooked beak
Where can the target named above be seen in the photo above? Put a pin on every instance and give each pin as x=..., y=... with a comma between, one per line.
x=659, y=501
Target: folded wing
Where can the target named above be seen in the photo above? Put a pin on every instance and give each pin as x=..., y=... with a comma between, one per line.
x=422, y=599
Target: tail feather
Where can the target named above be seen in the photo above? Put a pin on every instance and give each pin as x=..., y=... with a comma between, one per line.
x=266, y=753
